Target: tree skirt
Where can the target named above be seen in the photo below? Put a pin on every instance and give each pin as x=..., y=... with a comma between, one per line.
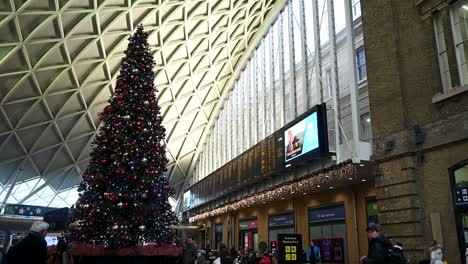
x=148, y=250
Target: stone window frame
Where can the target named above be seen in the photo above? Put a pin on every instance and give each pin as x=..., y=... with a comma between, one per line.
x=449, y=59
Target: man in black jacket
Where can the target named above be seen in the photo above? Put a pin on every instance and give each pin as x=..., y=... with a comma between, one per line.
x=378, y=247
x=33, y=248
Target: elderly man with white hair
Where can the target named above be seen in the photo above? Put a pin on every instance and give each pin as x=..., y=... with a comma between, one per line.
x=33, y=248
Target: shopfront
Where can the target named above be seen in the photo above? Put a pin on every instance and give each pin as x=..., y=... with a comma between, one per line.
x=327, y=228
x=459, y=179
x=248, y=234
x=280, y=224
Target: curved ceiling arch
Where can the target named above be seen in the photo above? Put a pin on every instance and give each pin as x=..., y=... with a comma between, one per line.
x=59, y=60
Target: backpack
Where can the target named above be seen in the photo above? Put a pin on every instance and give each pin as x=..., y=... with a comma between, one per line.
x=395, y=256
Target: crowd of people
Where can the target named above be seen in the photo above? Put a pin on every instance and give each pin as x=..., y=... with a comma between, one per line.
x=381, y=250
x=33, y=249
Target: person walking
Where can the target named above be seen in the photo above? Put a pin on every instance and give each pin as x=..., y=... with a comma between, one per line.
x=313, y=253
x=33, y=248
x=190, y=252
x=378, y=247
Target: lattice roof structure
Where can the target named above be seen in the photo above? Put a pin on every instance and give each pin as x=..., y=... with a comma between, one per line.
x=58, y=64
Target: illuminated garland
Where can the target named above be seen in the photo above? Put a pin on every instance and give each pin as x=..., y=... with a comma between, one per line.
x=306, y=184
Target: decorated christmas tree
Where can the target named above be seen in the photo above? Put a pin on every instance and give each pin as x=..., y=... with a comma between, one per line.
x=123, y=198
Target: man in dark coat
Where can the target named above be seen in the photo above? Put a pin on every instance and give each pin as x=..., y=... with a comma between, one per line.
x=190, y=252
x=33, y=248
x=378, y=247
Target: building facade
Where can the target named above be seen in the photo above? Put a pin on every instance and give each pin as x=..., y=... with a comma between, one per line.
x=330, y=201
x=416, y=59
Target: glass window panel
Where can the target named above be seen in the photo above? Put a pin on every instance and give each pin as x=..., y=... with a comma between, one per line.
x=277, y=76
x=339, y=10
x=366, y=130
x=246, y=107
x=323, y=24
x=460, y=25
x=286, y=42
x=442, y=51
x=301, y=98
x=361, y=64
x=57, y=202
x=252, y=100
x=309, y=23
x=356, y=8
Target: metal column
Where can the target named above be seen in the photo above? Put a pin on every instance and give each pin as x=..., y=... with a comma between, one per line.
x=292, y=60
x=281, y=67
x=304, y=64
x=353, y=86
x=334, y=76
x=317, y=52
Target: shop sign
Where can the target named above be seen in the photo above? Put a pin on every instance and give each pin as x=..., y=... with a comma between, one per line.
x=246, y=225
x=281, y=220
x=289, y=248
x=27, y=210
x=461, y=196
x=326, y=214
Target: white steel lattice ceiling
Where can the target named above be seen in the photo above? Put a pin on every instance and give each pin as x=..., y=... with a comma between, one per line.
x=58, y=64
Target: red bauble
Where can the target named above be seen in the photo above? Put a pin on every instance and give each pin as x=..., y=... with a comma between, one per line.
x=91, y=161
x=103, y=162
x=138, y=109
x=118, y=171
x=153, y=161
x=113, y=117
x=135, y=178
x=125, y=106
x=104, y=141
x=139, y=128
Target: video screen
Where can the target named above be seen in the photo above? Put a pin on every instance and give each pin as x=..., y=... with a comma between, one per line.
x=186, y=201
x=301, y=138
x=51, y=240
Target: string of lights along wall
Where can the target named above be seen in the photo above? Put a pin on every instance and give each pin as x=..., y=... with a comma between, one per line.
x=300, y=141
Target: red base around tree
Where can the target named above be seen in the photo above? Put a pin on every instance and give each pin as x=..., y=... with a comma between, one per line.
x=149, y=250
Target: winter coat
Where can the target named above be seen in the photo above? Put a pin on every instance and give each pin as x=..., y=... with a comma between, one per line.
x=190, y=254
x=31, y=250
x=201, y=260
x=378, y=249
x=315, y=257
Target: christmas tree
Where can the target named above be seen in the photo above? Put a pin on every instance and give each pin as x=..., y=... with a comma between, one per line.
x=123, y=198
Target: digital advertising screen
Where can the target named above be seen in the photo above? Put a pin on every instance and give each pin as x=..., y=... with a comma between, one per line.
x=186, y=202
x=301, y=138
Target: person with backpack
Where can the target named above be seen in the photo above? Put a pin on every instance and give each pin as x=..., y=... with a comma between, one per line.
x=398, y=251
x=313, y=253
x=380, y=249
